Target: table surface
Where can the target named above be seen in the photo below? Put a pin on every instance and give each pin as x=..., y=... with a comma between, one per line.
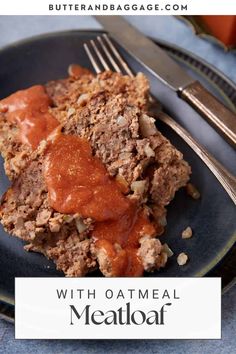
x=168, y=28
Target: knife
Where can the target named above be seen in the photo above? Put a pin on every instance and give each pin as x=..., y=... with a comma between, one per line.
x=157, y=62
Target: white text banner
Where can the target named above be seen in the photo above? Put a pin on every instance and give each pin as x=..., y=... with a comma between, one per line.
x=122, y=7
x=118, y=308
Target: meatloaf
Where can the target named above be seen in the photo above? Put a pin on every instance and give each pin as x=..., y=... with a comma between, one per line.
x=109, y=111
x=62, y=95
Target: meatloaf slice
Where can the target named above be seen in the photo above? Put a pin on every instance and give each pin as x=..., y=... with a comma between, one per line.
x=127, y=142
x=26, y=213
x=149, y=169
x=64, y=94
x=67, y=91
x=15, y=152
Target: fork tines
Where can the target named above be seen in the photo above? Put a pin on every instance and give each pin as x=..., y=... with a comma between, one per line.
x=104, y=56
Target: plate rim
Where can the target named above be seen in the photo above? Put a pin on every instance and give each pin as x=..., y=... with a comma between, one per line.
x=99, y=30
x=192, y=56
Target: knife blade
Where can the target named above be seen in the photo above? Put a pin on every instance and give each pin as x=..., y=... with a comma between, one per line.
x=158, y=63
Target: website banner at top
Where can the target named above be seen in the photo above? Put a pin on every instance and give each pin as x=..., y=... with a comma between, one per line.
x=121, y=7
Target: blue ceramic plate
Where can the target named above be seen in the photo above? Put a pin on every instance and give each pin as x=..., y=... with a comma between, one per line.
x=212, y=218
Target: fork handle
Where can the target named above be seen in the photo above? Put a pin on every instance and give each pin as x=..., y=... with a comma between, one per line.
x=210, y=108
x=226, y=179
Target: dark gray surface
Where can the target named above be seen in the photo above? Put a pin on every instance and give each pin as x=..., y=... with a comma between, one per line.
x=168, y=28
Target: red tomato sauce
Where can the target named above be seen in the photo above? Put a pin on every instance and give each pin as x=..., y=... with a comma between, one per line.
x=29, y=110
x=77, y=71
x=78, y=182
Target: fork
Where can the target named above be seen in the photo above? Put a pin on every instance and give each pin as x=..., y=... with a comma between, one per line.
x=103, y=55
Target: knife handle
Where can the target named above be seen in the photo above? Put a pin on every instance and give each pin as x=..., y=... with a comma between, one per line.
x=211, y=109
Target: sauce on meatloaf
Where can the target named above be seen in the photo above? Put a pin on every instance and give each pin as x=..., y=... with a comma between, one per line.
x=77, y=71
x=110, y=147
x=29, y=110
x=78, y=182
